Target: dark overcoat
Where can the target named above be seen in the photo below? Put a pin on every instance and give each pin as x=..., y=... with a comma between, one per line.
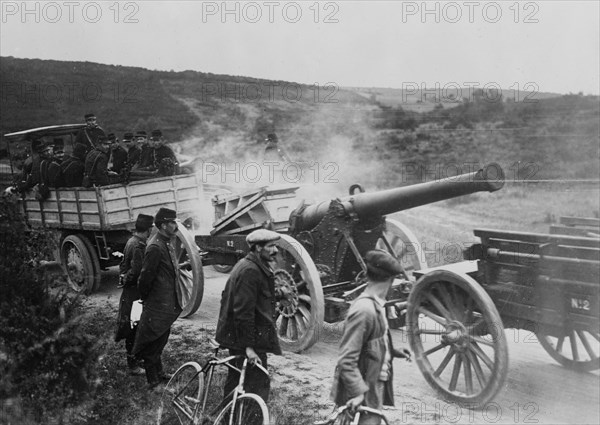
x=247, y=315
x=157, y=286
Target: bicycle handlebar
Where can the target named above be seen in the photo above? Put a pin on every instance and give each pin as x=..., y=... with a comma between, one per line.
x=342, y=409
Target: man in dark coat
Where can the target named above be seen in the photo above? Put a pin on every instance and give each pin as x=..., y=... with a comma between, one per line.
x=73, y=167
x=158, y=286
x=55, y=178
x=96, y=164
x=364, y=373
x=135, y=149
x=30, y=176
x=117, y=159
x=89, y=135
x=165, y=160
x=246, y=323
x=130, y=269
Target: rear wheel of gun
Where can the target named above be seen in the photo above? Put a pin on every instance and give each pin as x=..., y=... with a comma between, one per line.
x=249, y=409
x=182, y=396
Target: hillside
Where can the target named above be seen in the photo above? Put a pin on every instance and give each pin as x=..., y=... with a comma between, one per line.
x=337, y=133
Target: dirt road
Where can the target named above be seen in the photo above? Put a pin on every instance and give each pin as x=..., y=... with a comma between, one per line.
x=536, y=391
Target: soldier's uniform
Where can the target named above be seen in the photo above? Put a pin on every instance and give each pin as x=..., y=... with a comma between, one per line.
x=89, y=137
x=73, y=167
x=96, y=168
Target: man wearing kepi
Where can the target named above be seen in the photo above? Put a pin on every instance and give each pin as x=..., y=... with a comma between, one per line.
x=246, y=323
x=364, y=375
x=130, y=269
x=159, y=293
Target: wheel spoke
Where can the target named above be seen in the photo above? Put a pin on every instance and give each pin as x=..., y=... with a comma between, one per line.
x=304, y=312
x=439, y=306
x=468, y=376
x=442, y=321
x=444, y=362
x=434, y=349
x=293, y=329
x=559, y=344
x=476, y=367
x=305, y=298
x=574, y=350
x=300, y=325
x=480, y=340
x=430, y=332
x=481, y=354
x=595, y=335
x=586, y=344
x=445, y=295
x=455, y=372
x=284, y=326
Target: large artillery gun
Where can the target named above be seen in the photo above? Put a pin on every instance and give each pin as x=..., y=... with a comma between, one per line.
x=320, y=268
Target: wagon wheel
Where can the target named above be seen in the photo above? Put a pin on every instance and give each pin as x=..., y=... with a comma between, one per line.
x=405, y=246
x=576, y=349
x=300, y=305
x=191, y=277
x=454, y=329
x=81, y=264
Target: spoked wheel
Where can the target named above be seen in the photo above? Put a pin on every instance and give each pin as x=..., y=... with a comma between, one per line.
x=191, y=277
x=182, y=396
x=300, y=305
x=249, y=409
x=458, y=338
x=576, y=349
x=405, y=246
x=80, y=262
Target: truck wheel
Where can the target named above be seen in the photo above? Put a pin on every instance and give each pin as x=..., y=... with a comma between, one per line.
x=300, y=305
x=576, y=349
x=80, y=262
x=191, y=276
x=457, y=337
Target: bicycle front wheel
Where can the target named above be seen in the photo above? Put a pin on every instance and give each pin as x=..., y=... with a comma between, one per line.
x=249, y=409
x=181, y=396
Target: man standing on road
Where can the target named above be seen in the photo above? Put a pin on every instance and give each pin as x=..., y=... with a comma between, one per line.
x=130, y=269
x=159, y=293
x=363, y=375
x=246, y=323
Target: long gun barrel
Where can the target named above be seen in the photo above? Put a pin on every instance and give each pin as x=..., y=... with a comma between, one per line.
x=365, y=205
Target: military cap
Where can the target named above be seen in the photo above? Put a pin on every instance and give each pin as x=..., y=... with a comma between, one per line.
x=156, y=133
x=111, y=136
x=272, y=137
x=88, y=116
x=128, y=136
x=143, y=222
x=164, y=215
x=59, y=144
x=38, y=145
x=262, y=236
x=381, y=264
x=141, y=133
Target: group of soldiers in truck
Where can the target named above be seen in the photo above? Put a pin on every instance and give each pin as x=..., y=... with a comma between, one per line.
x=97, y=159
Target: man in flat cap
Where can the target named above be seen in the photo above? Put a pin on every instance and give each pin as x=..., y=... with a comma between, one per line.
x=117, y=159
x=30, y=176
x=363, y=375
x=159, y=293
x=88, y=136
x=246, y=323
x=162, y=159
x=130, y=269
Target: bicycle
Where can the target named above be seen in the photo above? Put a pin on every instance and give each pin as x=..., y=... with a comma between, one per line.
x=184, y=399
x=344, y=416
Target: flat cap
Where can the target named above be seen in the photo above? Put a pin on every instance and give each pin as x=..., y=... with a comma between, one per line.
x=262, y=236
x=156, y=133
x=143, y=222
x=381, y=264
x=128, y=136
x=164, y=214
x=111, y=136
x=90, y=116
x=141, y=133
x=58, y=143
x=272, y=137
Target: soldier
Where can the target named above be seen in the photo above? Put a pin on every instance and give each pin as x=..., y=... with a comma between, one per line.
x=73, y=168
x=54, y=170
x=130, y=269
x=246, y=323
x=273, y=151
x=96, y=165
x=165, y=161
x=89, y=135
x=117, y=159
x=30, y=176
x=135, y=150
x=364, y=373
x=159, y=292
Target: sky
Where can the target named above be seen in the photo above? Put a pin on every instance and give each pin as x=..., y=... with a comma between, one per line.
x=545, y=46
